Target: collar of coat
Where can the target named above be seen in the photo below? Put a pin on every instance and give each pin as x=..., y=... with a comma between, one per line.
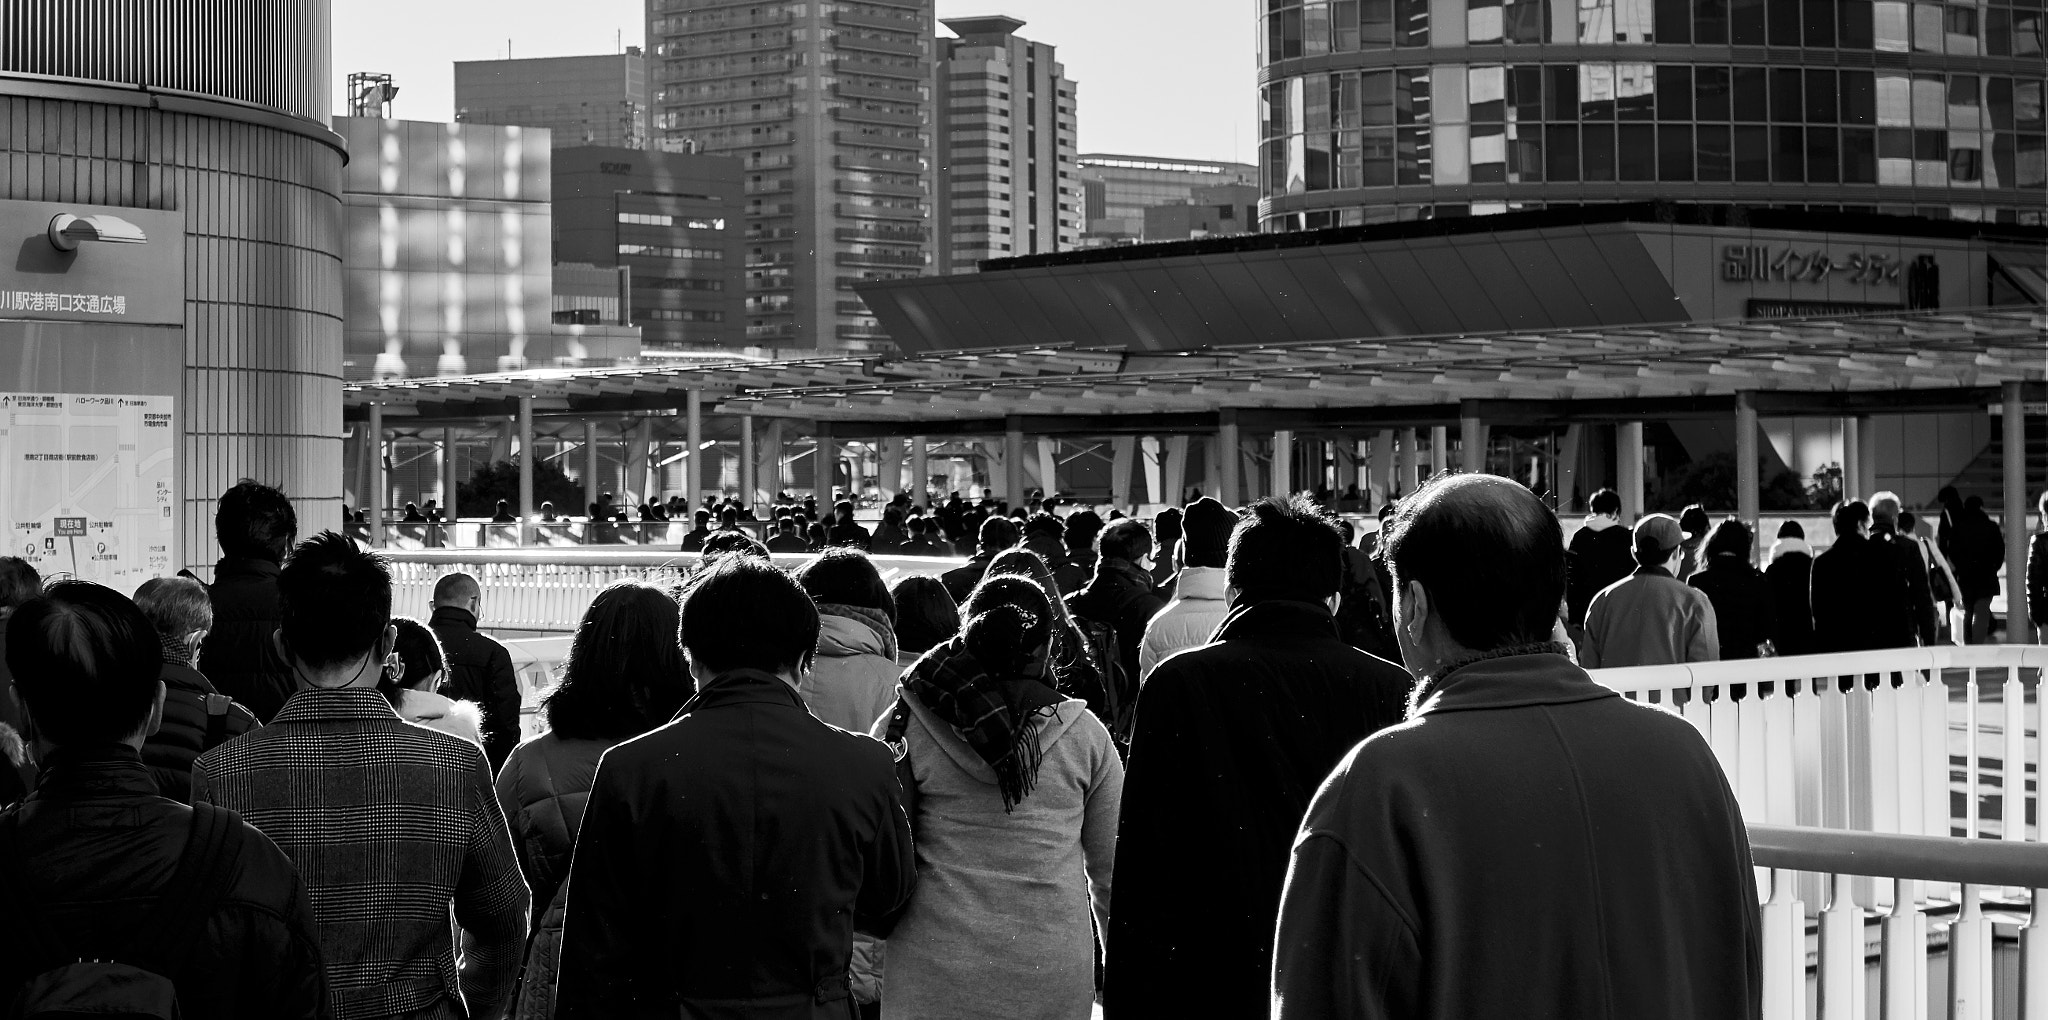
x=229, y=566
x=315, y=704
x=1210, y=583
x=455, y=613
x=1513, y=681
x=105, y=769
x=1277, y=620
x=743, y=687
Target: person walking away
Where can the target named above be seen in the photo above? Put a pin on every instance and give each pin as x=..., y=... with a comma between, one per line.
x=785, y=539
x=479, y=668
x=1045, y=534
x=1518, y=791
x=2037, y=574
x=105, y=879
x=890, y=535
x=196, y=717
x=1941, y=578
x=1190, y=620
x=624, y=676
x=1694, y=522
x=1168, y=528
x=1981, y=555
x=1791, y=578
x=852, y=681
x=996, y=534
x=1362, y=617
x=1074, y=671
x=1913, y=614
x=411, y=684
x=1231, y=741
x=925, y=616
x=19, y=583
x=700, y=529
x=1016, y=813
x=1112, y=612
x=726, y=859
x=1651, y=618
x=1859, y=592
x=1082, y=528
x=391, y=825
x=1601, y=553
x=1745, y=611
x=256, y=526
x=845, y=530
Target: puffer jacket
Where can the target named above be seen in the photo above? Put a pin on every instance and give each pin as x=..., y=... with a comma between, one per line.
x=543, y=788
x=439, y=712
x=853, y=681
x=189, y=730
x=238, y=655
x=1190, y=620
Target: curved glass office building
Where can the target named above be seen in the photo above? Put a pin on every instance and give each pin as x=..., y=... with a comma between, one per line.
x=1377, y=110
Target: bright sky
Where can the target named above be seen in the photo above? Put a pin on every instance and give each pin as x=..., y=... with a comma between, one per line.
x=1169, y=78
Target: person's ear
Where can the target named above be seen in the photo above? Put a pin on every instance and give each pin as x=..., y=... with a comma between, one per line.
x=1414, y=609
x=284, y=649
x=156, y=711
x=1336, y=599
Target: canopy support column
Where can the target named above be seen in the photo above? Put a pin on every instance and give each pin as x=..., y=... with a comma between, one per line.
x=451, y=477
x=1628, y=469
x=1439, y=449
x=2017, y=629
x=749, y=463
x=824, y=464
x=1471, y=438
x=693, y=458
x=920, y=470
x=378, y=493
x=1123, y=452
x=1411, y=463
x=1013, y=460
x=526, y=458
x=1230, y=458
x=592, y=487
x=1747, y=488
x=1283, y=462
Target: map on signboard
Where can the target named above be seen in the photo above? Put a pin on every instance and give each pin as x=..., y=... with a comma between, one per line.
x=87, y=484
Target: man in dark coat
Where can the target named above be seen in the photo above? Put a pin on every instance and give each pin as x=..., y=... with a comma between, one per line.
x=1120, y=592
x=479, y=668
x=1231, y=741
x=1529, y=843
x=95, y=848
x=256, y=526
x=196, y=717
x=2037, y=573
x=1918, y=605
x=726, y=859
x=996, y=535
x=1859, y=592
x=1791, y=578
x=1602, y=552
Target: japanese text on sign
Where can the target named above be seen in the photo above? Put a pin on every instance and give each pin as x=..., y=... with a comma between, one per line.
x=1756, y=262
x=45, y=301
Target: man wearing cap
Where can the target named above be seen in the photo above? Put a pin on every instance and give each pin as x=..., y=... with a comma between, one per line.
x=1199, y=604
x=1650, y=618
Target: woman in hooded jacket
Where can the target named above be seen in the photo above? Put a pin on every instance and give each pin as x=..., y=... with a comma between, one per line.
x=412, y=684
x=1018, y=790
x=853, y=681
x=624, y=676
x=1074, y=672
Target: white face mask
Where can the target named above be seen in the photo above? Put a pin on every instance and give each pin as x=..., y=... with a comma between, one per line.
x=1145, y=562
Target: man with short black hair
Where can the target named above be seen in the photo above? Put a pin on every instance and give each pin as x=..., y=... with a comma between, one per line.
x=1600, y=554
x=1199, y=601
x=1650, y=618
x=256, y=526
x=700, y=529
x=730, y=543
x=390, y=823
x=1518, y=792
x=726, y=859
x=996, y=535
x=1859, y=592
x=479, y=669
x=1120, y=594
x=1231, y=741
x=845, y=530
x=785, y=539
x=1905, y=607
x=97, y=866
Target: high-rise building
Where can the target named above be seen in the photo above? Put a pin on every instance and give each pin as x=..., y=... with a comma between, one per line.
x=1119, y=188
x=1217, y=211
x=673, y=219
x=1383, y=110
x=828, y=105
x=599, y=99
x=1008, y=183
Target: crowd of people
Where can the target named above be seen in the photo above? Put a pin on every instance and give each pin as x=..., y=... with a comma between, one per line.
x=1321, y=776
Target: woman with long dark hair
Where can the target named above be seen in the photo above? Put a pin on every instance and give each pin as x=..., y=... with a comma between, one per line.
x=1745, y=612
x=624, y=676
x=1073, y=671
x=1017, y=793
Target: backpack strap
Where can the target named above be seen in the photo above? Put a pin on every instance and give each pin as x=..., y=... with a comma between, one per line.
x=217, y=706
x=899, y=724
x=204, y=872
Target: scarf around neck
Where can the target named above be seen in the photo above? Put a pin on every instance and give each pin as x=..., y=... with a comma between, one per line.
x=958, y=689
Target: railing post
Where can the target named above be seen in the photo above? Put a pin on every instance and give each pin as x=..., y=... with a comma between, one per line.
x=1969, y=959
x=1784, y=951
x=1842, y=992
x=2034, y=959
x=1902, y=956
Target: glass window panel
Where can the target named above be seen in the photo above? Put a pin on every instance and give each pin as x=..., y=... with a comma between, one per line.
x=1375, y=98
x=1596, y=91
x=1785, y=95
x=2029, y=168
x=1376, y=158
x=1411, y=22
x=1711, y=89
x=1344, y=99
x=1561, y=153
x=1859, y=156
x=1782, y=19
x=1447, y=98
x=1674, y=92
x=1674, y=152
x=1412, y=162
x=1893, y=23
x=1818, y=23
x=1486, y=94
x=1315, y=29
x=1276, y=109
x=1297, y=164
x=1525, y=93
x=1894, y=99
x=1894, y=156
x=1788, y=155
x=1596, y=152
x=1411, y=95
x=1447, y=23
x=1348, y=174
x=1450, y=150
x=1316, y=103
x=1930, y=157
x=2026, y=105
x=1288, y=42
x=1965, y=157
x=1746, y=22
x=1489, y=154
x=1929, y=27
x=1859, y=98
x=1710, y=22
x=1483, y=21
x=1634, y=21
x=1638, y=152
x=1525, y=153
x=1752, y=153
x=1997, y=32
x=1375, y=24
x=1713, y=160
x=1930, y=100
x=1344, y=26
x=1596, y=21
x=1523, y=21
x=1674, y=21
x=2026, y=33
x=1998, y=101
x=1823, y=156
x=1965, y=101
x=1750, y=94
x=1852, y=24
x=1961, y=30
x=1635, y=91
x=1561, y=93
x=1273, y=156
x=1822, y=104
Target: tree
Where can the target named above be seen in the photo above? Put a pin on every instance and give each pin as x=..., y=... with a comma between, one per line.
x=479, y=496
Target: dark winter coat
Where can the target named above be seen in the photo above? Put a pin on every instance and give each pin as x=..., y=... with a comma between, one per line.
x=239, y=656
x=1745, y=609
x=1912, y=569
x=1791, y=579
x=1596, y=558
x=960, y=580
x=1120, y=595
x=725, y=861
x=1859, y=598
x=1529, y=845
x=1975, y=547
x=189, y=729
x=2037, y=580
x=543, y=789
x=480, y=670
x=1231, y=741
x=100, y=844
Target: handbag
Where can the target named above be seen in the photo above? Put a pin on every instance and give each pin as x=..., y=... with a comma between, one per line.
x=906, y=786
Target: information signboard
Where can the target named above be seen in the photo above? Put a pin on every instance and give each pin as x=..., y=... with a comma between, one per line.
x=87, y=482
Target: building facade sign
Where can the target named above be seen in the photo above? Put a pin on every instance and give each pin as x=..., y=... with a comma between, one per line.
x=1797, y=264
x=128, y=280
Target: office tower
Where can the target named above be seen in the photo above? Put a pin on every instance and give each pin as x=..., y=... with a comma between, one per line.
x=1217, y=211
x=1857, y=105
x=591, y=100
x=1007, y=178
x=830, y=113
x=674, y=220
x=1119, y=188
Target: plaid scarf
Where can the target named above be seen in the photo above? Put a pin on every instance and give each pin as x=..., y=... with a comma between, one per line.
x=957, y=688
